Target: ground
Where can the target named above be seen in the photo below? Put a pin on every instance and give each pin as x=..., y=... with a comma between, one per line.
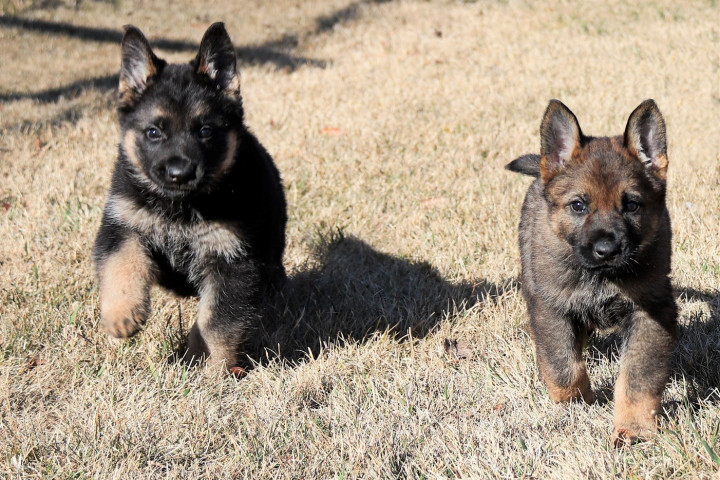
x=399, y=349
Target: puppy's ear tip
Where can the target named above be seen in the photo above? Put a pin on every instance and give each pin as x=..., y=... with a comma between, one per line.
x=131, y=29
x=132, y=34
x=216, y=30
x=554, y=104
x=648, y=104
x=557, y=109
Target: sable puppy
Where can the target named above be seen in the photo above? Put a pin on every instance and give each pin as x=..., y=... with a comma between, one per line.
x=196, y=203
x=595, y=247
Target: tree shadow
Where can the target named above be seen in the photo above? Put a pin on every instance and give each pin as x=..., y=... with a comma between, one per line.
x=274, y=52
x=325, y=23
x=277, y=51
x=350, y=291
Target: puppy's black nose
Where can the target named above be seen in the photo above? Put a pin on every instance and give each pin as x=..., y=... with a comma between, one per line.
x=606, y=248
x=179, y=170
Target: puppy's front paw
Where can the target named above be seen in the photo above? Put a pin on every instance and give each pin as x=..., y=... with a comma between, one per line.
x=629, y=433
x=121, y=317
x=635, y=415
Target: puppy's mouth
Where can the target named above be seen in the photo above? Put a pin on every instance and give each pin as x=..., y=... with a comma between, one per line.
x=607, y=270
x=172, y=190
x=617, y=265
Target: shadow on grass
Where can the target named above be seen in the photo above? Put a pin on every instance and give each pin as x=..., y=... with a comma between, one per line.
x=277, y=52
x=697, y=352
x=266, y=53
x=696, y=358
x=351, y=290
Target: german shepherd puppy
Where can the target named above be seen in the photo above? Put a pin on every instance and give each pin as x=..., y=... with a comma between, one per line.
x=595, y=247
x=196, y=203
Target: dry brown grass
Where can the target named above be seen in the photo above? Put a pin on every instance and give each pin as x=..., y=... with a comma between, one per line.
x=390, y=122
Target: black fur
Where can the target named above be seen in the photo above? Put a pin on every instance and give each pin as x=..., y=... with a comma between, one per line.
x=194, y=191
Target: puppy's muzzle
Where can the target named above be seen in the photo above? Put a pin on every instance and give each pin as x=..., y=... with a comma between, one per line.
x=178, y=171
x=606, y=248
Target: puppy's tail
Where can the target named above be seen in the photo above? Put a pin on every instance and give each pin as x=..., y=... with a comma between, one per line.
x=527, y=164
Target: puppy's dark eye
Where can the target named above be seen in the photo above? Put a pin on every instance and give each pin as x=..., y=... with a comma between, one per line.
x=153, y=133
x=632, y=207
x=206, y=132
x=578, y=206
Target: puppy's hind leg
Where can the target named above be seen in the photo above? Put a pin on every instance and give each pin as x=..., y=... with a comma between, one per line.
x=227, y=315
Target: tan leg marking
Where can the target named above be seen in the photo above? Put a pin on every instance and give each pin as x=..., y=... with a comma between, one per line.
x=578, y=390
x=125, y=279
x=206, y=340
x=635, y=416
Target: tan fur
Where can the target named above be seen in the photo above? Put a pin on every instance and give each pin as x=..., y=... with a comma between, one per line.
x=125, y=278
x=229, y=159
x=661, y=165
x=206, y=238
x=129, y=148
x=547, y=173
x=635, y=414
x=199, y=111
x=160, y=114
x=233, y=87
x=578, y=390
x=126, y=90
x=198, y=345
x=205, y=338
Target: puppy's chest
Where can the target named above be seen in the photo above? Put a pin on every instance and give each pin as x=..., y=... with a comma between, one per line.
x=197, y=243
x=187, y=242
x=598, y=305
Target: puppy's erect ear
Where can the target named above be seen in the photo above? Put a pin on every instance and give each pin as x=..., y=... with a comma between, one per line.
x=560, y=137
x=139, y=66
x=217, y=60
x=645, y=137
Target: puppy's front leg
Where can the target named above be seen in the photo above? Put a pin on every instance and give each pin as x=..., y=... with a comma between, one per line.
x=644, y=371
x=227, y=313
x=558, y=346
x=125, y=273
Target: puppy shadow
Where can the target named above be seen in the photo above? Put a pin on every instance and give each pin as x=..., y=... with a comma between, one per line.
x=696, y=358
x=349, y=291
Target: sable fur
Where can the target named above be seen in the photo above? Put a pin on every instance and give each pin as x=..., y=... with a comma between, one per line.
x=595, y=242
x=195, y=204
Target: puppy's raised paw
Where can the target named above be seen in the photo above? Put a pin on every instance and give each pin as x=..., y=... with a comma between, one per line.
x=125, y=276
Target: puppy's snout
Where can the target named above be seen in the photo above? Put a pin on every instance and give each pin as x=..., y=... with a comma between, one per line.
x=179, y=170
x=606, y=248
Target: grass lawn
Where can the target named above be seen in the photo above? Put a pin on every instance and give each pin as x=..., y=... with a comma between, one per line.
x=399, y=349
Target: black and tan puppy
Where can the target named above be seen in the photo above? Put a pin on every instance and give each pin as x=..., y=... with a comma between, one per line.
x=595, y=247
x=196, y=203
